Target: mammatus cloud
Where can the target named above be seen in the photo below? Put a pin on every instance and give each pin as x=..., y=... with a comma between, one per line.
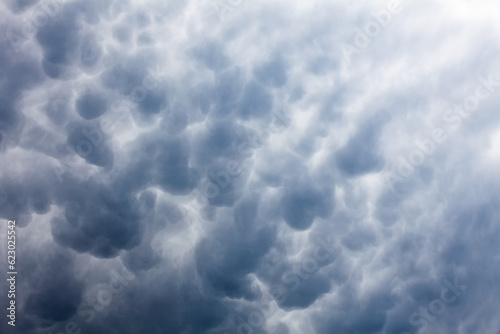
x=250, y=166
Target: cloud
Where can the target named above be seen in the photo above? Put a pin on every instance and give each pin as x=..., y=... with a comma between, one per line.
x=221, y=167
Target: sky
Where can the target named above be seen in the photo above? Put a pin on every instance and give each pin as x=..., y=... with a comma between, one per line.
x=251, y=166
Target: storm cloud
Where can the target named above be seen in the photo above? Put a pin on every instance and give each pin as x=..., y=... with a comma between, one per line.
x=251, y=166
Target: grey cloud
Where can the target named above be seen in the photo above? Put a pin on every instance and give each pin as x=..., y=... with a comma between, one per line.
x=116, y=117
x=273, y=73
x=228, y=274
x=211, y=54
x=360, y=155
x=255, y=102
x=91, y=105
x=91, y=51
x=21, y=5
x=96, y=153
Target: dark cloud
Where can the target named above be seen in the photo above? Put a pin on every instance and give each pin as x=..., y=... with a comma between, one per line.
x=92, y=148
x=255, y=102
x=20, y=5
x=91, y=51
x=226, y=261
x=361, y=154
x=273, y=73
x=300, y=206
x=187, y=168
x=122, y=33
x=91, y=105
x=211, y=54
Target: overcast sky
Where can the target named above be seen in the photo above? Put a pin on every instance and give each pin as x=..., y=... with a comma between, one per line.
x=251, y=166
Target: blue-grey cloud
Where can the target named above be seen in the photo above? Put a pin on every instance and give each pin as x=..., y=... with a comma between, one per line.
x=246, y=166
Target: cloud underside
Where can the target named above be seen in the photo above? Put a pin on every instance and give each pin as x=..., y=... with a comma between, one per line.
x=251, y=166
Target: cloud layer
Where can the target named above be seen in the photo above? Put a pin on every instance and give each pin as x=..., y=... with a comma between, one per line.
x=251, y=166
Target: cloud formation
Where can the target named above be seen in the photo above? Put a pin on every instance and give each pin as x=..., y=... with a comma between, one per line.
x=251, y=166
